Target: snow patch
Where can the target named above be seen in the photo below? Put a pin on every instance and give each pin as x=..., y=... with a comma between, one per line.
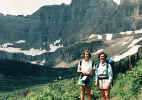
x=138, y=31
x=20, y=41
x=100, y=37
x=126, y=33
x=32, y=52
x=38, y=62
x=92, y=36
x=53, y=46
x=134, y=42
x=6, y=45
x=57, y=41
x=42, y=62
x=98, y=51
x=33, y=62
x=11, y=49
x=108, y=36
x=125, y=43
x=131, y=51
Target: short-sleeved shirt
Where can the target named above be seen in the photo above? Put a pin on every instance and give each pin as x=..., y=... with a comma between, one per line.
x=86, y=66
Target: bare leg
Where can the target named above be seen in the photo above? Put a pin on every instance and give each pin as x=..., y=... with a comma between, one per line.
x=103, y=94
x=107, y=94
x=89, y=93
x=82, y=92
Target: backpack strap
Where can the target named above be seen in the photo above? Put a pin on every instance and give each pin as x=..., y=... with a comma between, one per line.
x=93, y=64
x=80, y=63
x=97, y=65
x=107, y=65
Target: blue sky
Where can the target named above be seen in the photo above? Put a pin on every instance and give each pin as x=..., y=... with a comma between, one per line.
x=26, y=7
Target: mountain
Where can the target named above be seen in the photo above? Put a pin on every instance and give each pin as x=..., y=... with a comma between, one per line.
x=55, y=37
x=80, y=19
x=68, y=24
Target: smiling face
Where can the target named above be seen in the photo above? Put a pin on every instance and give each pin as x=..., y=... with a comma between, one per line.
x=102, y=58
x=86, y=55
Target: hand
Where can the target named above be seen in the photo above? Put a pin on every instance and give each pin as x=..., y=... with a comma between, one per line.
x=86, y=73
x=108, y=86
x=96, y=83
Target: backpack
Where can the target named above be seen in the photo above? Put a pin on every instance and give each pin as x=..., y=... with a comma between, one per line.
x=112, y=63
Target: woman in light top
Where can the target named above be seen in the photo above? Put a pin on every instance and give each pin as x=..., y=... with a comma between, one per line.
x=86, y=68
x=103, y=76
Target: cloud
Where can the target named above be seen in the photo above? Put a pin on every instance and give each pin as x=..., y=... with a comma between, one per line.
x=117, y=2
x=26, y=7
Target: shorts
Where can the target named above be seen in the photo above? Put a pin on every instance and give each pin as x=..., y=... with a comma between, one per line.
x=103, y=83
x=86, y=81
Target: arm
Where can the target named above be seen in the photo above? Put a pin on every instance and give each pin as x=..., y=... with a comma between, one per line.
x=110, y=73
x=96, y=71
x=79, y=69
x=96, y=77
x=93, y=69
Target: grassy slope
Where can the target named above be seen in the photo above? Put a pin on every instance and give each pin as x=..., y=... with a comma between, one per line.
x=127, y=87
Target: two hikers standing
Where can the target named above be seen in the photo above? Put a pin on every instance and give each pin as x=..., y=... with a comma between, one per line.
x=103, y=75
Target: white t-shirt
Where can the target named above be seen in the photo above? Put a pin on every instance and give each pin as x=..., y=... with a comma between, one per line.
x=86, y=66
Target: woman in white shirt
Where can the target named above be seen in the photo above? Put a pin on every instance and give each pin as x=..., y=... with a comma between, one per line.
x=85, y=67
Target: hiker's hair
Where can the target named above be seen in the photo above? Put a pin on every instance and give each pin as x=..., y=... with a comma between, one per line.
x=83, y=54
x=101, y=54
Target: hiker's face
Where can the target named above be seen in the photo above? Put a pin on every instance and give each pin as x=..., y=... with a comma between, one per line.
x=86, y=55
x=102, y=58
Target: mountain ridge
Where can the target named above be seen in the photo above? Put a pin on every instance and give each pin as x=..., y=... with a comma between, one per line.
x=67, y=23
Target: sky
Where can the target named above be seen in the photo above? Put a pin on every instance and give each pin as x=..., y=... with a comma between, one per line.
x=117, y=2
x=26, y=7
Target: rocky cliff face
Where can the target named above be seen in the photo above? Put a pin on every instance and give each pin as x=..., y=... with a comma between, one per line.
x=68, y=23
x=80, y=19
